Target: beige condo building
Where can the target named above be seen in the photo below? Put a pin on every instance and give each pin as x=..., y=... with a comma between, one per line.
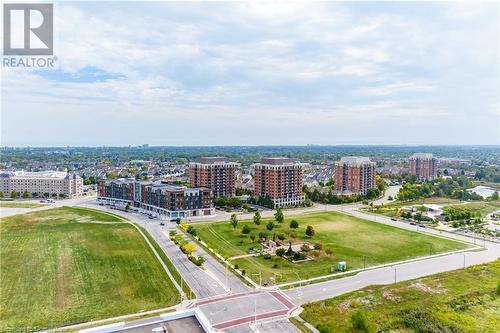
x=39, y=183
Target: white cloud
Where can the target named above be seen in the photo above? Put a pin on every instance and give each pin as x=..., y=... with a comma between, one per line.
x=330, y=65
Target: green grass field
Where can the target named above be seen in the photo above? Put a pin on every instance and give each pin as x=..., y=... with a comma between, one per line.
x=69, y=265
x=355, y=240
x=459, y=301
x=20, y=204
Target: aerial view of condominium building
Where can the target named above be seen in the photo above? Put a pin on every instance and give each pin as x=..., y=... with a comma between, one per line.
x=215, y=173
x=157, y=197
x=48, y=183
x=354, y=175
x=423, y=165
x=279, y=179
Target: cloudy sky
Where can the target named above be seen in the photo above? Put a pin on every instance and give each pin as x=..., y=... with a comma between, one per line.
x=255, y=74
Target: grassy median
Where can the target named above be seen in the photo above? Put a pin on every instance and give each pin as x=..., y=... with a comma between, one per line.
x=359, y=242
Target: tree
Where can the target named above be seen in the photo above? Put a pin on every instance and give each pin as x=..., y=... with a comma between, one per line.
x=256, y=218
x=270, y=226
x=278, y=216
x=252, y=237
x=494, y=196
x=234, y=221
x=310, y=231
x=127, y=206
x=26, y=195
x=14, y=195
x=245, y=229
x=1, y=194
x=294, y=224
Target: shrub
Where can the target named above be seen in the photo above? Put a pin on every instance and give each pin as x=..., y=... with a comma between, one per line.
x=245, y=229
x=322, y=328
x=252, y=237
x=270, y=226
x=318, y=246
x=316, y=253
x=198, y=261
x=191, y=230
x=309, y=231
x=498, y=288
x=267, y=256
x=263, y=235
x=419, y=320
x=329, y=251
x=243, y=272
x=305, y=248
x=361, y=323
x=294, y=224
x=299, y=256
x=293, y=234
x=172, y=233
x=281, y=237
x=275, y=265
x=188, y=248
x=280, y=252
x=236, y=266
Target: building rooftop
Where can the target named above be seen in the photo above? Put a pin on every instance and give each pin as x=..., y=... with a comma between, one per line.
x=355, y=160
x=422, y=155
x=277, y=160
x=158, y=184
x=36, y=175
x=212, y=159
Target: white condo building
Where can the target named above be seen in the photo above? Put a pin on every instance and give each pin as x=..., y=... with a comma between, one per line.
x=39, y=183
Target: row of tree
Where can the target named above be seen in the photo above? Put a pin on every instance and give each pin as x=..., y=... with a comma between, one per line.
x=27, y=195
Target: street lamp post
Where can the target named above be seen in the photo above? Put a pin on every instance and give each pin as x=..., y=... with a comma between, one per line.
x=255, y=297
x=464, y=258
x=395, y=279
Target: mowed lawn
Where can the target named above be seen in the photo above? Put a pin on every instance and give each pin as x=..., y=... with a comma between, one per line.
x=359, y=242
x=68, y=265
x=11, y=204
x=466, y=300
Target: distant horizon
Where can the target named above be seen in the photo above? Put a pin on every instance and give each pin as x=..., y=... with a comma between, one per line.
x=266, y=145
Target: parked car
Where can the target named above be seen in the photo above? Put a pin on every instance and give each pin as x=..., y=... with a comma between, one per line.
x=393, y=219
x=161, y=223
x=413, y=223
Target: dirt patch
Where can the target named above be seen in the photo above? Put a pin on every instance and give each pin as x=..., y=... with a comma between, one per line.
x=390, y=296
x=425, y=288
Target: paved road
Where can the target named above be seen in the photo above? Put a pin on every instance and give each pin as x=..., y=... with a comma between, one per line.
x=9, y=211
x=400, y=272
